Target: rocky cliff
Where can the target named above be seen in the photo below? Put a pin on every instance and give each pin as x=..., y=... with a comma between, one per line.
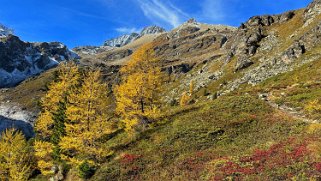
x=20, y=60
x=126, y=39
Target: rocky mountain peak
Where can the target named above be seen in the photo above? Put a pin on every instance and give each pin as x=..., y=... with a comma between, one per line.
x=121, y=40
x=152, y=30
x=312, y=11
x=126, y=39
x=20, y=60
x=5, y=31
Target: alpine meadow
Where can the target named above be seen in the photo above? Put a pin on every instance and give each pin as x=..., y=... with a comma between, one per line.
x=180, y=100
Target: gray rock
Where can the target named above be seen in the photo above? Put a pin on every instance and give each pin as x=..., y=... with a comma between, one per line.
x=242, y=64
x=20, y=60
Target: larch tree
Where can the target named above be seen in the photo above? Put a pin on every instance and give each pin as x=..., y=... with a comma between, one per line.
x=88, y=121
x=138, y=95
x=15, y=156
x=50, y=123
x=184, y=99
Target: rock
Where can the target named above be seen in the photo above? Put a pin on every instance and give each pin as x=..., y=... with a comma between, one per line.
x=295, y=51
x=117, y=55
x=5, y=31
x=255, y=38
x=20, y=60
x=242, y=64
x=126, y=39
x=122, y=40
x=264, y=96
x=152, y=30
x=182, y=68
x=286, y=16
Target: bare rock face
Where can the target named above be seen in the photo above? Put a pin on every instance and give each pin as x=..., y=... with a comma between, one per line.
x=5, y=31
x=118, y=54
x=152, y=30
x=126, y=39
x=20, y=60
x=122, y=40
x=12, y=116
x=294, y=52
x=312, y=11
x=242, y=64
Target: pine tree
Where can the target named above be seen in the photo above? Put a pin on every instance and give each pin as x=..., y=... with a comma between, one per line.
x=50, y=125
x=87, y=122
x=15, y=156
x=138, y=94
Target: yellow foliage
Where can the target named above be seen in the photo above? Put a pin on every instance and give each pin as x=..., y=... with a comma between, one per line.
x=68, y=78
x=43, y=153
x=313, y=106
x=138, y=94
x=315, y=148
x=184, y=99
x=87, y=121
x=43, y=124
x=314, y=128
x=191, y=87
x=58, y=91
x=15, y=157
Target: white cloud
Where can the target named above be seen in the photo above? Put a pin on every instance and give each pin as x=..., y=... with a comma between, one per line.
x=125, y=30
x=160, y=12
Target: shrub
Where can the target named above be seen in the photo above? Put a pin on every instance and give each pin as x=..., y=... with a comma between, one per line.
x=86, y=170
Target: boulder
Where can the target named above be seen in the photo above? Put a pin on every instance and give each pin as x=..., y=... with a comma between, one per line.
x=242, y=64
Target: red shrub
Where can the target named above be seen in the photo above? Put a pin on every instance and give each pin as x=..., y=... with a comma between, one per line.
x=279, y=156
x=129, y=158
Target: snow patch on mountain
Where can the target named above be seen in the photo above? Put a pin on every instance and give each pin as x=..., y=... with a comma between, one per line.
x=5, y=31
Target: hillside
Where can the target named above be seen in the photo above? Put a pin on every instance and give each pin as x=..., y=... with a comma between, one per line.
x=253, y=110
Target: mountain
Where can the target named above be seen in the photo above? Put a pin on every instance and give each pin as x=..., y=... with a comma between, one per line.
x=5, y=31
x=254, y=108
x=20, y=60
x=126, y=39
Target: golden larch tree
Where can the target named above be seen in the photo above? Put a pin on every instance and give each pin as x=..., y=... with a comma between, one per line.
x=15, y=156
x=88, y=121
x=50, y=123
x=138, y=95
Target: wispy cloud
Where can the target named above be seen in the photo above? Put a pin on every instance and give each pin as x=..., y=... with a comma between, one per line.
x=213, y=10
x=125, y=30
x=162, y=12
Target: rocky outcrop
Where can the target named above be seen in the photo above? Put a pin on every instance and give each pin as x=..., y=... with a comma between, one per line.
x=242, y=64
x=126, y=39
x=20, y=60
x=12, y=116
x=122, y=40
x=312, y=11
x=5, y=31
x=116, y=55
x=294, y=52
x=152, y=30
x=91, y=50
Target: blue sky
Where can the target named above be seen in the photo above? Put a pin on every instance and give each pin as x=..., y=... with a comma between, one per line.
x=90, y=22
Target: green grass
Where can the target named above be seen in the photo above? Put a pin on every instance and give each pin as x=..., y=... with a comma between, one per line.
x=228, y=126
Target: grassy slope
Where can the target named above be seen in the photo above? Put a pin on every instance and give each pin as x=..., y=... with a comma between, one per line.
x=229, y=126
x=187, y=141
x=29, y=92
